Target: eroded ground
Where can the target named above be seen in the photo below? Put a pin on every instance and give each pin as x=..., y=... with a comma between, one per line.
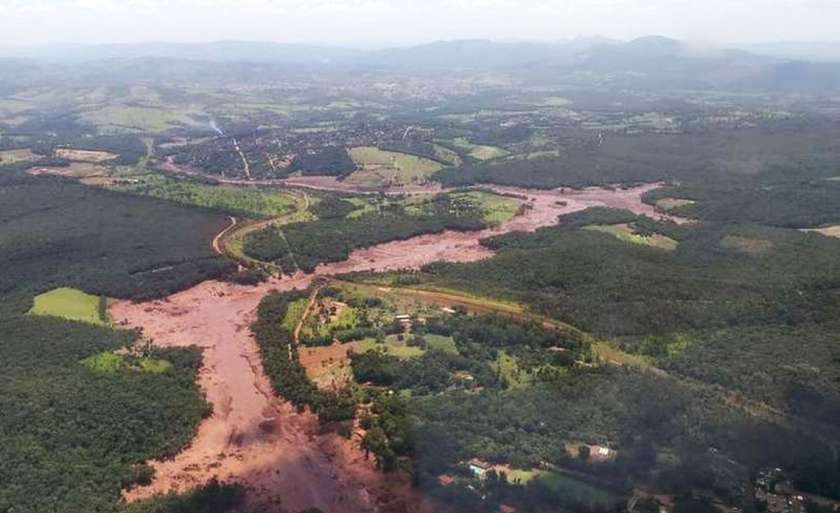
x=257, y=439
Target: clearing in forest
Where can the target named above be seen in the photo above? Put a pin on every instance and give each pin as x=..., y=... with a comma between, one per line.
x=81, y=170
x=668, y=204
x=125, y=118
x=627, y=233
x=828, y=231
x=251, y=201
x=479, y=151
x=71, y=304
x=382, y=168
x=746, y=245
x=84, y=155
x=496, y=208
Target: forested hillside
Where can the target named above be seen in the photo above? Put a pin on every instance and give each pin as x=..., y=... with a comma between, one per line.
x=79, y=420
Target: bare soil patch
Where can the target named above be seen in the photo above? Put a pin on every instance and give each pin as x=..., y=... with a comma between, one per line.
x=330, y=365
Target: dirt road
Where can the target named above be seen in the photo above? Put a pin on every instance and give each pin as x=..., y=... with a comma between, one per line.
x=217, y=240
x=256, y=439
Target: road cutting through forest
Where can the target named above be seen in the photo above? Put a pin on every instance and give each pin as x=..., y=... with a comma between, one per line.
x=252, y=437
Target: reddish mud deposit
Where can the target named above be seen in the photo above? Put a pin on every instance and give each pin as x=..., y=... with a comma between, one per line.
x=257, y=439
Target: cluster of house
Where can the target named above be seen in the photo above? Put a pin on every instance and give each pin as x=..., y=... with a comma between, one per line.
x=778, y=494
x=479, y=468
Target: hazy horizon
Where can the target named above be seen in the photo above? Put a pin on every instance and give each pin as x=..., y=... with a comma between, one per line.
x=379, y=23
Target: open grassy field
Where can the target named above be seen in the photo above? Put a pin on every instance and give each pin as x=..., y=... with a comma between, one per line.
x=380, y=167
x=16, y=156
x=111, y=363
x=580, y=492
x=125, y=118
x=250, y=201
x=440, y=343
x=497, y=209
x=627, y=233
x=479, y=151
x=70, y=304
x=84, y=155
x=392, y=346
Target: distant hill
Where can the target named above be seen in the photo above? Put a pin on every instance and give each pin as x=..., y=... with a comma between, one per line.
x=796, y=50
x=652, y=62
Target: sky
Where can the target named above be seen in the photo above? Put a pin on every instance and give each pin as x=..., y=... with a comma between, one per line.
x=372, y=23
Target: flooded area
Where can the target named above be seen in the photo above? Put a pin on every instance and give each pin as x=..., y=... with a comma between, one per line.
x=259, y=440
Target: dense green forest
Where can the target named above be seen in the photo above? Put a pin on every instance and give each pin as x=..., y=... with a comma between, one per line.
x=327, y=160
x=55, y=232
x=743, y=309
x=719, y=157
x=74, y=434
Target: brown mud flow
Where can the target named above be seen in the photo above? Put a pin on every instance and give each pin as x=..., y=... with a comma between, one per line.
x=257, y=439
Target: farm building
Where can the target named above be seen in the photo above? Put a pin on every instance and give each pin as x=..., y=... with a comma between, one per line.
x=478, y=467
x=445, y=479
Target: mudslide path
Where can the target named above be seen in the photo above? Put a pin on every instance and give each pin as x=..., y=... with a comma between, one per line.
x=257, y=439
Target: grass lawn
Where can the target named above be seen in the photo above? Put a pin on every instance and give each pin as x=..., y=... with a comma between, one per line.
x=581, y=492
x=626, y=233
x=70, y=304
x=391, y=346
x=440, y=343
